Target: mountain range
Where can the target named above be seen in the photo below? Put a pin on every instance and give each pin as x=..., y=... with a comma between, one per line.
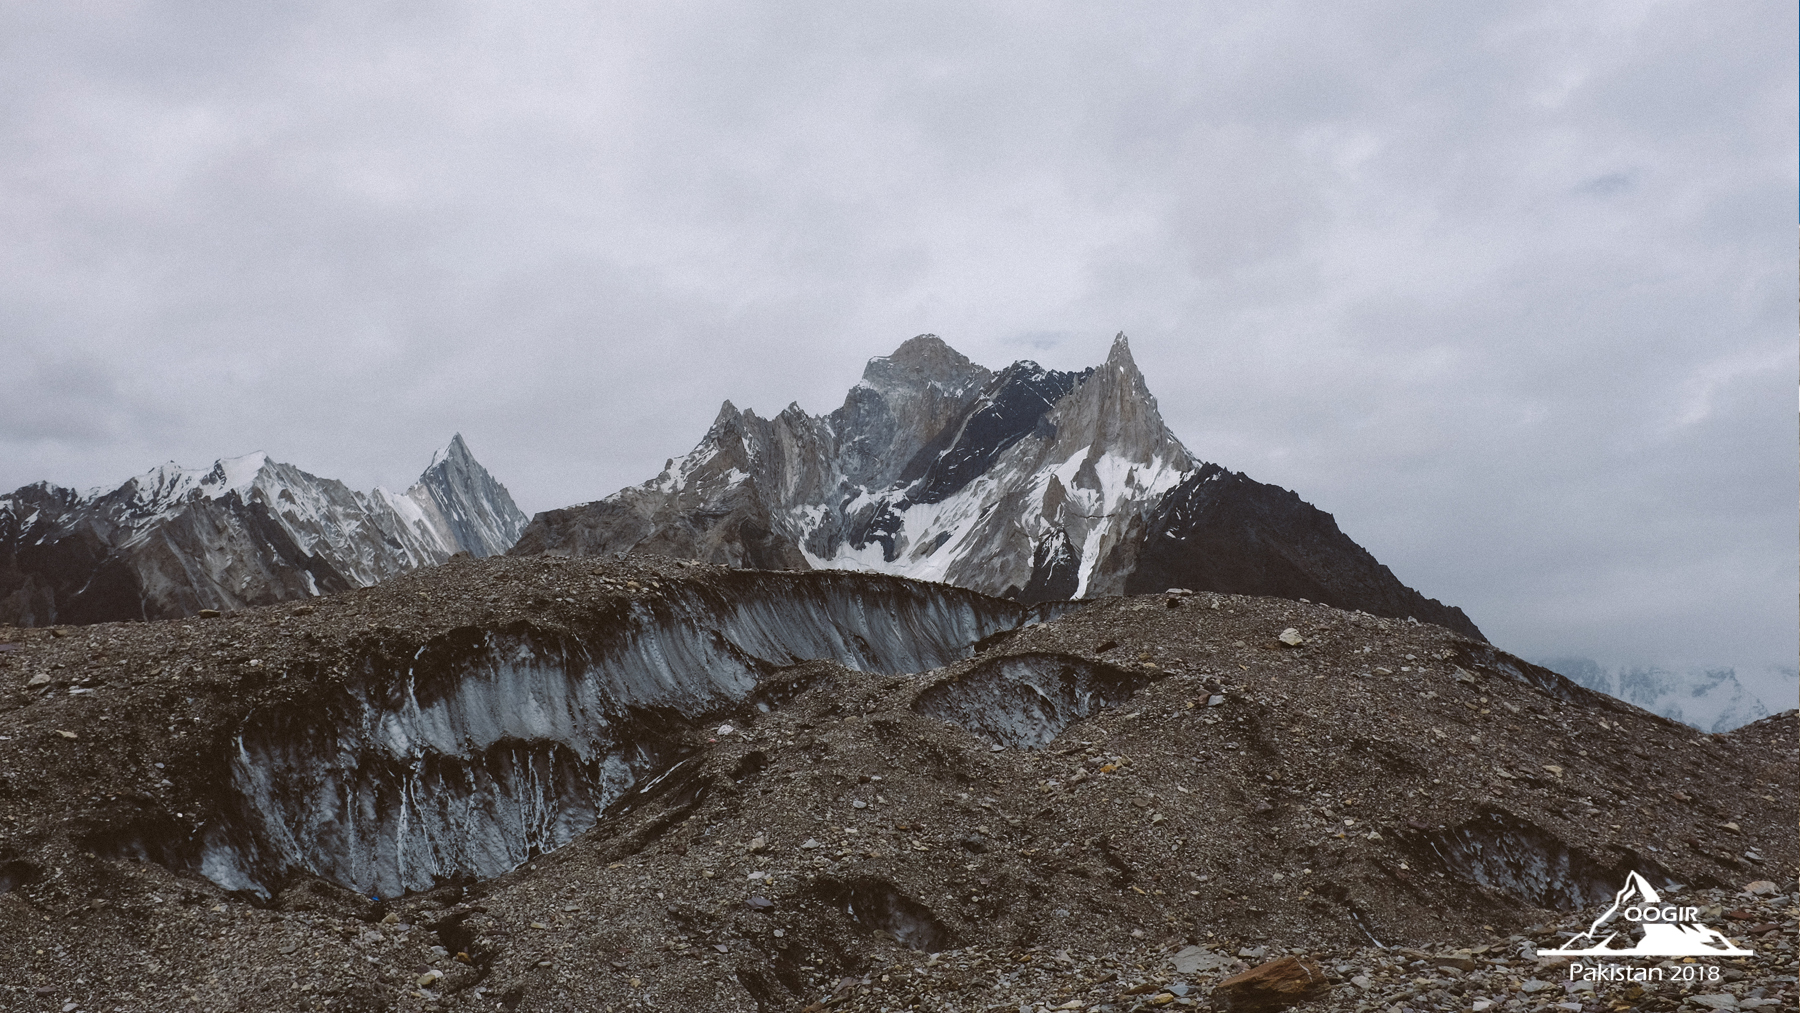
x=1710, y=699
x=247, y=531
x=1025, y=483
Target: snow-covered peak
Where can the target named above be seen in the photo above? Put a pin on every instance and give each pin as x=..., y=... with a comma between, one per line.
x=1709, y=698
x=163, y=487
x=455, y=450
x=457, y=506
x=233, y=474
x=245, y=530
x=166, y=482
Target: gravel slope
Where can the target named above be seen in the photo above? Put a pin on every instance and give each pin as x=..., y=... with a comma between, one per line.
x=1055, y=817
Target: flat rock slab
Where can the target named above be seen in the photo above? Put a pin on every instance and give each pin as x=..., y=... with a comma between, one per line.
x=1200, y=960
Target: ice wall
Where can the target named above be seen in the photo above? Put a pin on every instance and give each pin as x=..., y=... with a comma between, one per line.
x=495, y=745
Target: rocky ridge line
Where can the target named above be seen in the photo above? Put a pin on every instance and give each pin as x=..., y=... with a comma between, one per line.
x=1026, y=483
x=249, y=531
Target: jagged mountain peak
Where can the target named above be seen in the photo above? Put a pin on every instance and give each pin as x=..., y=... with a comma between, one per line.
x=1119, y=355
x=1114, y=413
x=460, y=504
x=1029, y=482
x=728, y=415
x=1122, y=370
x=247, y=530
x=170, y=482
x=456, y=451
x=234, y=474
x=921, y=362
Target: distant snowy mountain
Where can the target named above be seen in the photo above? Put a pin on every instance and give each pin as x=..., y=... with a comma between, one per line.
x=1710, y=699
x=1029, y=483
x=246, y=531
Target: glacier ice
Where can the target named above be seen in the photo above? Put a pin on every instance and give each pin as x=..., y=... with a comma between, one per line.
x=488, y=747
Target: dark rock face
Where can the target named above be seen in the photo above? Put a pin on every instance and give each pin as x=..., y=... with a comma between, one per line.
x=249, y=531
x=1221, y=531
x=1030, y=483
x=1007, y=411
x=1055, y=570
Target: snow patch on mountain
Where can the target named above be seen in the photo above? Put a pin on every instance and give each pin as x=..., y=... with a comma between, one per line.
x=246, y=530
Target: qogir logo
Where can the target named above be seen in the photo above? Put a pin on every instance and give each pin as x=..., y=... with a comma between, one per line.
x=1660, y=930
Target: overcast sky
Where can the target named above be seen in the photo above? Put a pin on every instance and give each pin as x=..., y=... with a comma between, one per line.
x=1508, y=288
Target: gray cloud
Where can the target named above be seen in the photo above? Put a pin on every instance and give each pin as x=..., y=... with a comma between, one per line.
x=1507, y=288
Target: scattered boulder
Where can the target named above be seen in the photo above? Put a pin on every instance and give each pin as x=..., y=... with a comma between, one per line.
x=1275, y=985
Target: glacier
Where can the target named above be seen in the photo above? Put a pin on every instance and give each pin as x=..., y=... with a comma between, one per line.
x=485, y=747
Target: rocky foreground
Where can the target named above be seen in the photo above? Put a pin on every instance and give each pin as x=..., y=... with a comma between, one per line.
x=1113, y=808
x=1502, y=974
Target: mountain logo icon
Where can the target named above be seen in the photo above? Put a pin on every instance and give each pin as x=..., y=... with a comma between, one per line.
x=1659, y=930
